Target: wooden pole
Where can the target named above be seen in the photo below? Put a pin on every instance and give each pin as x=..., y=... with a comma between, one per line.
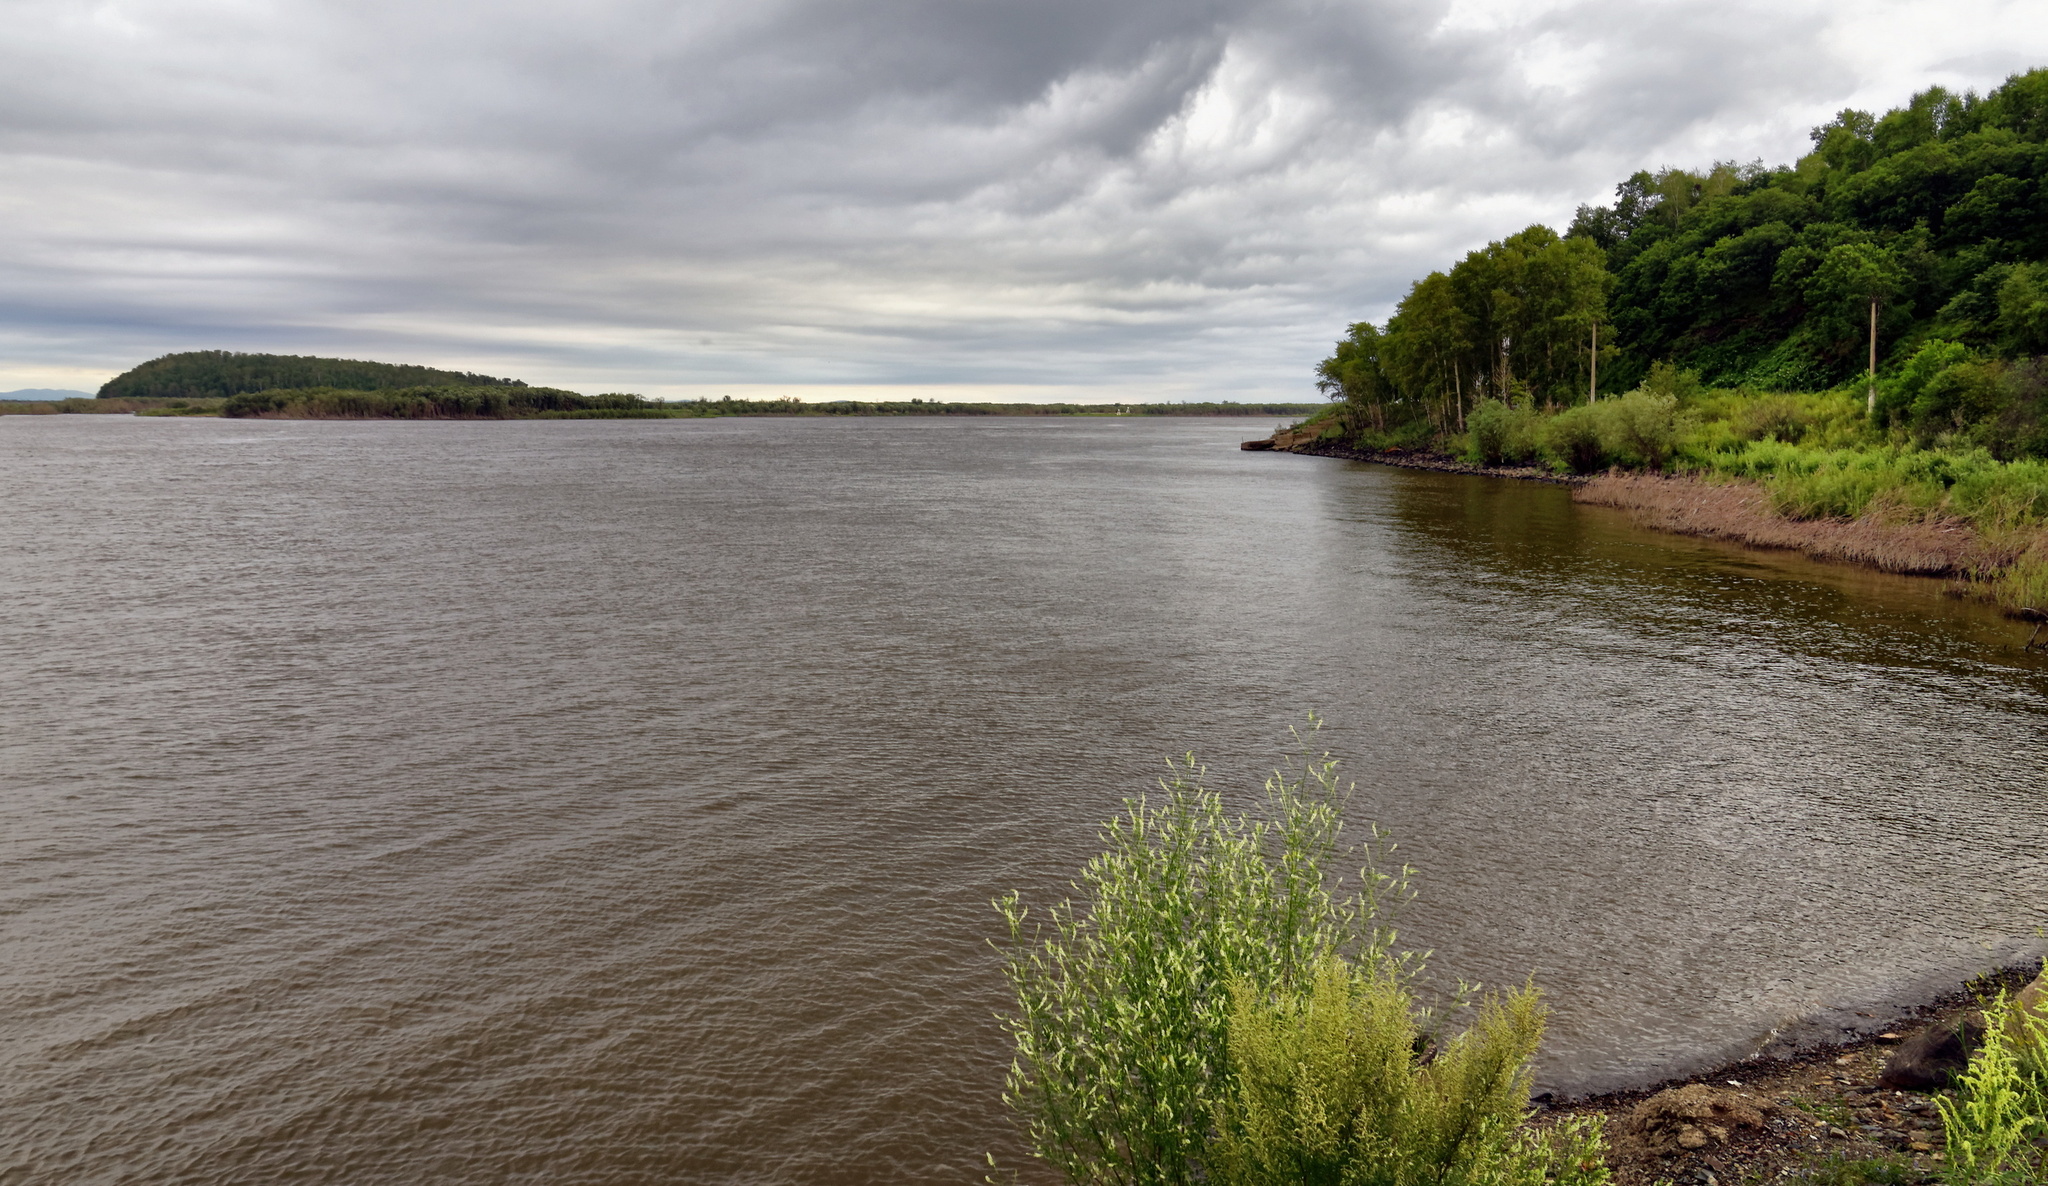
x=1870, y=403
x=1593, y=384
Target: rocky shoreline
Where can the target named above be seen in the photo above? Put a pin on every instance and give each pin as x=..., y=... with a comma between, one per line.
x=1290, y=442
x=1770, y=1118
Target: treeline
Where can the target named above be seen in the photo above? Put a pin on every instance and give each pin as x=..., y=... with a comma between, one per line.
x=462, y=402
x=434, y=403
x=203, y=374
x=1934, y=216
x=727, y=406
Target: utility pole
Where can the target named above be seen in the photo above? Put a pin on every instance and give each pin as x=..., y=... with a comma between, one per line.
x=1593, y=384
x=1870, y=403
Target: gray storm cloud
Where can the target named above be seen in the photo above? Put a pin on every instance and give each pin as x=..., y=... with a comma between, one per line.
x=1184, y=198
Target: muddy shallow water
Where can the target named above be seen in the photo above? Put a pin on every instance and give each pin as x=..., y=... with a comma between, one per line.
x=606, y=802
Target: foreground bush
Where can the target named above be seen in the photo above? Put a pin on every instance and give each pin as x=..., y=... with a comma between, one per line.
x=1159, y=1015
x=1328, y=1091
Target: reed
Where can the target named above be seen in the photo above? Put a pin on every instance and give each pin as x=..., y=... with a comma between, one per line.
x=1746, y=512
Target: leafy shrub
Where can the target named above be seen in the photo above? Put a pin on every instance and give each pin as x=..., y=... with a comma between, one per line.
x=1123, y=1002
x=1773, y=417
x=1499, y=435
x=1328, y=1089
x=1576, y=439
x=1664, y=379
x=1642, y=427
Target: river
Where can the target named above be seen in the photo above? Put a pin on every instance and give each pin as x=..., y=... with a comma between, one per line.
x=621, y=801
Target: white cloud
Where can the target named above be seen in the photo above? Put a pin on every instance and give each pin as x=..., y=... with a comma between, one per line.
x=1143, y=196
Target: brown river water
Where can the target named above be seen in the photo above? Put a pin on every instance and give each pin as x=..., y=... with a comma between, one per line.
x=621, y=801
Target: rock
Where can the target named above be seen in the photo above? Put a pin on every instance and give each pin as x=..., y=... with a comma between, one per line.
x=1690, y=1118
x=2033, y=999
x=1933, y=1057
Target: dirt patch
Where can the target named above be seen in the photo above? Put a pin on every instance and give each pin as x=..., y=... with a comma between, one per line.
x=1776, y=1117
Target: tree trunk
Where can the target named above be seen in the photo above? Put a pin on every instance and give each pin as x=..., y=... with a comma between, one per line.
x=1870, y=404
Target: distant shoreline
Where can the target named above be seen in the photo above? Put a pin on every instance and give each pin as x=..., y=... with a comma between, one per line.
x=506, y=404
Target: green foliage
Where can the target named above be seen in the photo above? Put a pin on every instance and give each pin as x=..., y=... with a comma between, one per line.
x=1502, y=435
x=1759, y=277
x=426, y=403
x=1123, y=999
x=1641, y=428
x=217, y=373
x=2022, y=324
x=1577, y=439
x=1329, y=1091
x=2000, y=1110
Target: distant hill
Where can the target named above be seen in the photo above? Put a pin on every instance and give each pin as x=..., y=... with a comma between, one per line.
x=42, y=394
x=205, y=374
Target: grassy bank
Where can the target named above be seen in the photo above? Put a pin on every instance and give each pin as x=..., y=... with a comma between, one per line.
x=1805, y=470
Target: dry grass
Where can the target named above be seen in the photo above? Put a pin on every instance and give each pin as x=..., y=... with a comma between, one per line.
x=1742, y=511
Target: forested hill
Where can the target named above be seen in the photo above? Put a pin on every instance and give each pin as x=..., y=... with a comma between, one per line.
x=204, y=374
x=1761, y=277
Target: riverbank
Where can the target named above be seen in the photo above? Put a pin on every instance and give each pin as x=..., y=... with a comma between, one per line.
x=1742, y=512
x=2008, y=566
x=1417, y=459
x=1788, y=1117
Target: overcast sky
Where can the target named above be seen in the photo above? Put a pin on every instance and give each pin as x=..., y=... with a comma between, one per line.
x=1091, y=199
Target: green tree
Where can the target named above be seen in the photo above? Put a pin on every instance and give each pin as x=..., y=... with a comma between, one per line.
x=2023, y=310
x=1857, y=278
x=1428, y=340
x=1356, y=373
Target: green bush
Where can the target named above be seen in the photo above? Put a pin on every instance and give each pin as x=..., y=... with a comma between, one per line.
x=1123, y=1005
x=1329, y=1091
x=1220, y=1007
x=1576, y=439
x=1642, y=427
x=1500, y=435
x=1773, y=417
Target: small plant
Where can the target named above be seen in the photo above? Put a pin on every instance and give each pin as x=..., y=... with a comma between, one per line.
x=2000, y=1109
x=1842, y=1170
